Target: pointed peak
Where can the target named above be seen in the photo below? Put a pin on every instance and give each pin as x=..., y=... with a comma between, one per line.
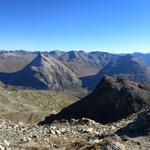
x=39, y=60
x=39, y=55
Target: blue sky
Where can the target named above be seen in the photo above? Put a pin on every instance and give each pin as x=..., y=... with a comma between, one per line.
x=105, y=25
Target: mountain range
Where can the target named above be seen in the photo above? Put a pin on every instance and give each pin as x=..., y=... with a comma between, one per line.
x=82, y=63
x=113, y=114
x=88, y=67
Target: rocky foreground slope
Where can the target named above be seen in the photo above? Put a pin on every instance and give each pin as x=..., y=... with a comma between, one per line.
x=131, y=133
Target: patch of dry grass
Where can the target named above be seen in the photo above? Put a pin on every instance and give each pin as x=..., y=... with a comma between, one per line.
x=33, y=105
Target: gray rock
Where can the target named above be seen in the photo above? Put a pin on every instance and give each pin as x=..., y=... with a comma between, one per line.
x=2, y=148
x=6, y=143
x=115, y=146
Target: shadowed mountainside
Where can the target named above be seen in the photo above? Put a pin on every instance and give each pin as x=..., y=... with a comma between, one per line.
x=127, y=67
x=113, y=99
x=144, y=57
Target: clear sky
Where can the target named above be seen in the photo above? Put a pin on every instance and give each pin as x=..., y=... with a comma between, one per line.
x=104, y=25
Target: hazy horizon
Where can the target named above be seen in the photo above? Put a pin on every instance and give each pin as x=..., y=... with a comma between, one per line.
x=72, y=50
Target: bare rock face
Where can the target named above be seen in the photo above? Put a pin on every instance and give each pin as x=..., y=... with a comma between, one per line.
x=113, y=99
x=44, y=72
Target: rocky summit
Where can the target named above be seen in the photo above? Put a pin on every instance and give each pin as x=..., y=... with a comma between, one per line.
x=44, y=72
x=113, y=99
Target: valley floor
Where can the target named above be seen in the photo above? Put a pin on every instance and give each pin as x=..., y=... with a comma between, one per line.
x=31, y=106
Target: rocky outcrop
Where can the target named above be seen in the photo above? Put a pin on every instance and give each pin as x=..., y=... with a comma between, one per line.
x=113, y=99
x=44, y=72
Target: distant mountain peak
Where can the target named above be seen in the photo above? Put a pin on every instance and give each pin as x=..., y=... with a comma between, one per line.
x=39, y=55
x=38, y=61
